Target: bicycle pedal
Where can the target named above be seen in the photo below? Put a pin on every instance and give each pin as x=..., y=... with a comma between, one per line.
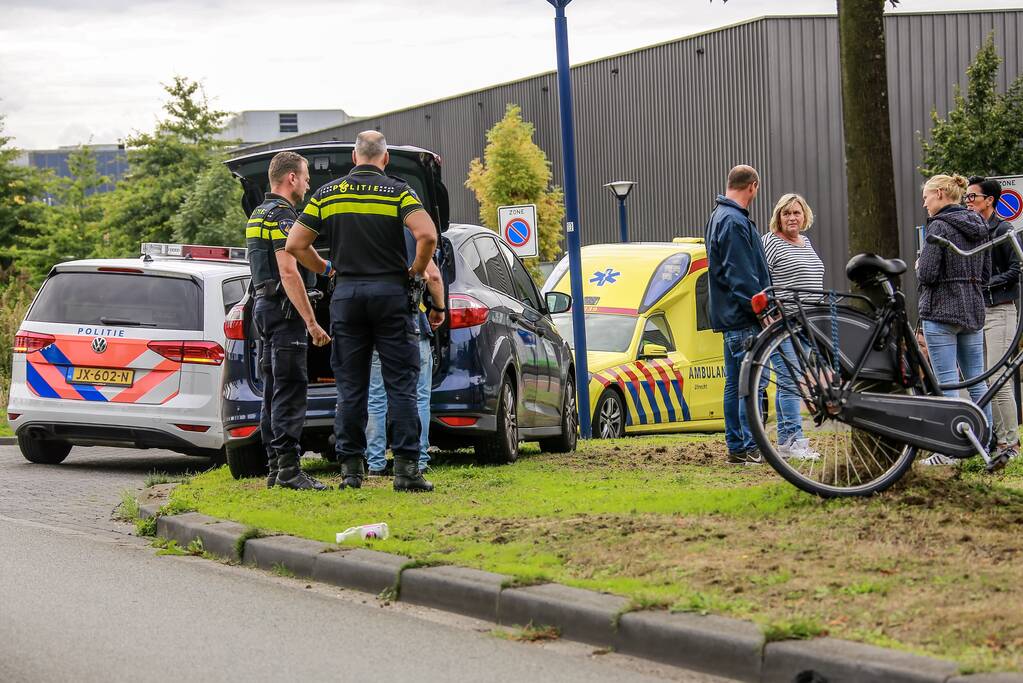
x=997, y=464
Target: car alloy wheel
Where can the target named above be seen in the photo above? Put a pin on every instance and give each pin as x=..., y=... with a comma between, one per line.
x=610, y=416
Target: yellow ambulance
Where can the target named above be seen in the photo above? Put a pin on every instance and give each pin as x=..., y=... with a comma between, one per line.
x=655, y=363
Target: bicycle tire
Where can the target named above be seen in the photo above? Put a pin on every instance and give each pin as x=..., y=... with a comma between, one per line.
x=843, y=442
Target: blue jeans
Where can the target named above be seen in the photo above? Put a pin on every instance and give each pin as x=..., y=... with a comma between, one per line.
x=787, y=400
x=376, y=434
x=737, y=434
x=948, y=344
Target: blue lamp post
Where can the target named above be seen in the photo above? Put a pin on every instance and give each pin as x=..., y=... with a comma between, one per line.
x=575, y=265
x=621, y=189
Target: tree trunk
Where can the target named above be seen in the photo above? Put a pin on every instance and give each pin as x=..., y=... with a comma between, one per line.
x=873, y=221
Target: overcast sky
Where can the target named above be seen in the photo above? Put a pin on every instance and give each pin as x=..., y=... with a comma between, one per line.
x=75, y=70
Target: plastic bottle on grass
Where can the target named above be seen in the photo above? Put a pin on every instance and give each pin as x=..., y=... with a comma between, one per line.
x=376, y=531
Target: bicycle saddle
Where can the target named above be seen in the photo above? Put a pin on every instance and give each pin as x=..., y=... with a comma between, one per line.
x=862, y=267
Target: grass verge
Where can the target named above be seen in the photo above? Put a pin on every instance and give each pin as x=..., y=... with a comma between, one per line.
x=932, y=567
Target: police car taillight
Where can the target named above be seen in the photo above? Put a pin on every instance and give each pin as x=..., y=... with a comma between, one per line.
x=234, y=324
x=197, y=352
x=29, y=342
x=194, y=251
x=465, y=311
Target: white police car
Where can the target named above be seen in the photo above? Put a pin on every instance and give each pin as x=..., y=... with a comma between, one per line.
x=126, y=352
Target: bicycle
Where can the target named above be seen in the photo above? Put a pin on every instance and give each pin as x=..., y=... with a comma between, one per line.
x=871, y=397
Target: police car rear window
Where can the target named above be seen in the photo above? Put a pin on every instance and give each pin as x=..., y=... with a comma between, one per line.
x=119, y=299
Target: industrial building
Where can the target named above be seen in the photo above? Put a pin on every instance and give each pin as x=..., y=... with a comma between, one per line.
x=677, y=115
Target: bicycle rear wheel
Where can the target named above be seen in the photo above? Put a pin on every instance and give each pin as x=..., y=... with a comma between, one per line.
x=836, y=459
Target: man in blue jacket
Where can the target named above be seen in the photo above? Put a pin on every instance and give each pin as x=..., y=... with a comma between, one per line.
x=738, y=270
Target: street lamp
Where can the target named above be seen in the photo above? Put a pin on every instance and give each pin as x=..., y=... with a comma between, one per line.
x=575, y=259
x=621, y=189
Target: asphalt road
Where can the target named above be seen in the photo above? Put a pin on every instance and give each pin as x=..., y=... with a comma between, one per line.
x=82, y=599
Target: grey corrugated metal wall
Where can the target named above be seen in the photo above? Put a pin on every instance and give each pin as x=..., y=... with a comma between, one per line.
x=678, y=115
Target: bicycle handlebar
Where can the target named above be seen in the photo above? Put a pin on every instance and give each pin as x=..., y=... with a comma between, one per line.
x=1011, y=236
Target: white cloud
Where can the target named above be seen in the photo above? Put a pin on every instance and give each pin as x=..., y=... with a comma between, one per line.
x=79, y=69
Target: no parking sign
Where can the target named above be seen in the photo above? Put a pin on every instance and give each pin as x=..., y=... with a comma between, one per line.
x=517, y=226
x=1010, y=205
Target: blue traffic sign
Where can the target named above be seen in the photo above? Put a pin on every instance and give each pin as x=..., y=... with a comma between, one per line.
x=517, y=232
x=1010, y=205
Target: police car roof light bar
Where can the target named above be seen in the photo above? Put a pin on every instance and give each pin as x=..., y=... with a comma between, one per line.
x=194, y=251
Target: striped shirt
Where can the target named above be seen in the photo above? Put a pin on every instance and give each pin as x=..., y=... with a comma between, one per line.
x=792, y=265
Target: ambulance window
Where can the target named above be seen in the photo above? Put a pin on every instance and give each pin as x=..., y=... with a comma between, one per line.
x=497, y=273
x=657, y=331
x=524, y=287
x=473, y=261
x=702, y=304
x=91, y=298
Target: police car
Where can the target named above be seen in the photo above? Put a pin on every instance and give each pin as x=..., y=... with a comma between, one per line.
x=655, y=363
x=126, y=352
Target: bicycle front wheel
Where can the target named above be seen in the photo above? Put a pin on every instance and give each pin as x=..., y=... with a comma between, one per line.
x=806, y=445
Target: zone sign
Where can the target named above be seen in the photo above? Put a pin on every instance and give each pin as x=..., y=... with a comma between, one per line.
x=517, y=226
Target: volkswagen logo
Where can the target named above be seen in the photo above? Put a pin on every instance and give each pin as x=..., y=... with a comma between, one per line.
x=99, y=344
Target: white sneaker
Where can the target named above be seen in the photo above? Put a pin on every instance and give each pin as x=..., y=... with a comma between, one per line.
x=938, y=459
x=798, y=449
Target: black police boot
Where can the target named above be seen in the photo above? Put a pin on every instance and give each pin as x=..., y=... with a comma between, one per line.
x=353, y=472
x=291, y=476
x=407, y=476
x=271, y=477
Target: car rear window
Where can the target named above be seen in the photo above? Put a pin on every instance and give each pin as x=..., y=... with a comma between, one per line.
x=119, y=299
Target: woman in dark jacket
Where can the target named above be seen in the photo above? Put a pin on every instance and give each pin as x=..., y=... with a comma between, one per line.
x=951, y=290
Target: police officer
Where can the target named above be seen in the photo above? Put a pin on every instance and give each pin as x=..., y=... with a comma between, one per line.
x=283, y=316
x=365, y=215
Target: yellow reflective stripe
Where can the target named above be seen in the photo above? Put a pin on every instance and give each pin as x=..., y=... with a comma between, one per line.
x=356, y=196
x=253, y=231
x=359, y=207
x=270, y=224
x=408, y=200
x=277, y=235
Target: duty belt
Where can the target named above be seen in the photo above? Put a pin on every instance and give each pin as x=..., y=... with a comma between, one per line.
x=267, y=289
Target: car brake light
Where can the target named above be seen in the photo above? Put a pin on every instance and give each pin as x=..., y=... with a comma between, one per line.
x=759, y=302
x=193, y=428
x=197, y=352
x=106, y=269
x=458, y=421
x=234, y=324
x=465, y=311
x=13, y=416
x=242, y=432
x=27, y=342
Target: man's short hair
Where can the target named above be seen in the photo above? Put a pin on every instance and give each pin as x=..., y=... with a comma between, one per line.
x=741, y=177
x=284, y=163
x=370, y=144
x=989, y=186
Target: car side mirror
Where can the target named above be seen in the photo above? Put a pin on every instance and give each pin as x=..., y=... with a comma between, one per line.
x=649, y=350
x=558, y=302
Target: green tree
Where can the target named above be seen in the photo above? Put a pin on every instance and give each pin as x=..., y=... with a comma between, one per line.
x=212, y=211
x=983, y=133
x=21, y=188
x=71, y=227
x=514, y=170
x=164, y=166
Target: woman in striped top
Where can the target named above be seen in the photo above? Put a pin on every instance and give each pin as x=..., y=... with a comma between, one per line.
x=792, y=263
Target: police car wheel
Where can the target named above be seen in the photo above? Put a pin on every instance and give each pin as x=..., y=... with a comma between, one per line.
x=43, y=451
x=503, y=446
x=566, y=442
x=609, y=416
x=247, y=461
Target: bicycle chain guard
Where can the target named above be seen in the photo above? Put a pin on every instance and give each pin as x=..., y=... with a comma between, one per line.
x=927, y=422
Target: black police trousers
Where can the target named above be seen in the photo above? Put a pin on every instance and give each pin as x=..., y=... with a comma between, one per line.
x=363, y=315
x=283, y=365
